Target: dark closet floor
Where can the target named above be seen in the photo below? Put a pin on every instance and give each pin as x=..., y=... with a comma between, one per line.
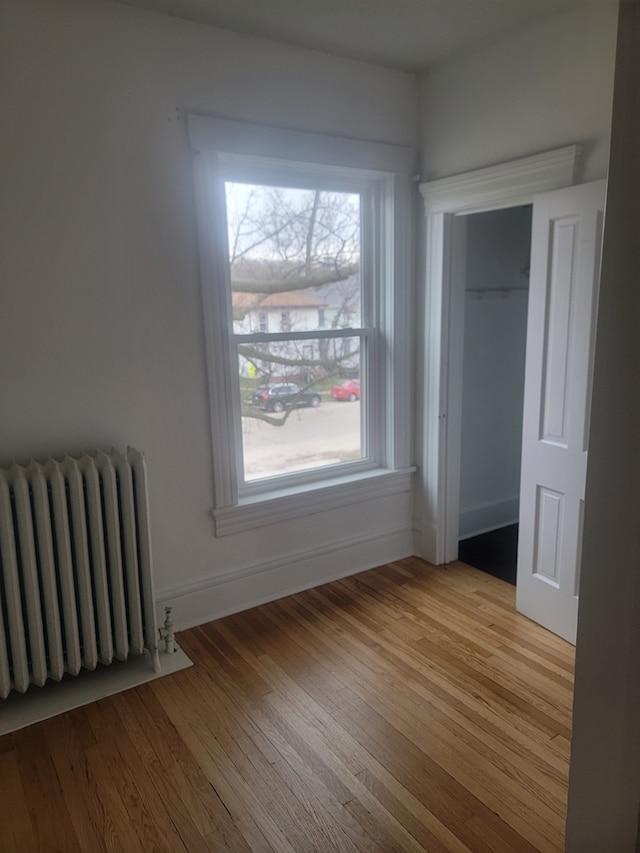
x=495, y=552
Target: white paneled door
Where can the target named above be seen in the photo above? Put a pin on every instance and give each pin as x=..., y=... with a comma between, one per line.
x=565, y=261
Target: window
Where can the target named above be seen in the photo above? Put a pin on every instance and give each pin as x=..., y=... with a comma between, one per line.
x=301, y=292
x=285, y=321
x=301, y=248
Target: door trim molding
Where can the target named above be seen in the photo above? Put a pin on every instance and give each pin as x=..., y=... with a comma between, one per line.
x=505, y=185
x=492, y=188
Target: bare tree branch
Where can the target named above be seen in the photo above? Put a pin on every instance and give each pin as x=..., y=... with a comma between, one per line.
x=324, y=365
x=279, y=286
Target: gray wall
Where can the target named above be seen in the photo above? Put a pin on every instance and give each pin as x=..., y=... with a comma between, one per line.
x=604, y=784
x=101, y=331
x=543, y=87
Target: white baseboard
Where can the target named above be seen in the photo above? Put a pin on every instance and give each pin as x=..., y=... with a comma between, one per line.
x=218, y=596
x=489, y=516
x=426, y=542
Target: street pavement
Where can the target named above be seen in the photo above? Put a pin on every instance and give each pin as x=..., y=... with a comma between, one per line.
x=309, y=438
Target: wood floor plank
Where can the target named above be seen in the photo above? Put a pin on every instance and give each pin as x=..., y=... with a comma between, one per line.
x=235, y=791
x=407, y=709
x=411, y=675
x=16, y=830
x=301, y=768
x=197, y=809
x=342, y=754
x=414, y=767
x=290, y=804
x=50, y=818
x=337, y=741
x=92, y=821
x=405, y=702
x=156, y=827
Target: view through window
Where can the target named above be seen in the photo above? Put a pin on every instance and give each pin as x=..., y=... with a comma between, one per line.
x=298, y=330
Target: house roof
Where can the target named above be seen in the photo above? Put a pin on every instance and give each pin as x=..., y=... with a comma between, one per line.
x=274, y=301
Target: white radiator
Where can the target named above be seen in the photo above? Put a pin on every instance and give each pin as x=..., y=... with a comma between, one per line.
x=75, y=567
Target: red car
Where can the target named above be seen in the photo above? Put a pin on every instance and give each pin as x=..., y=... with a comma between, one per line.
x=347, y=390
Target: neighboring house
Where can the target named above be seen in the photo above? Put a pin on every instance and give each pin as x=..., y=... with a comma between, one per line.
x=292, y=311
x=342, y=300
x=330, y=306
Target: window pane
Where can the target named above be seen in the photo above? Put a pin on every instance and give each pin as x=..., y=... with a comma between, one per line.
x=294, y=258
x=300, y=405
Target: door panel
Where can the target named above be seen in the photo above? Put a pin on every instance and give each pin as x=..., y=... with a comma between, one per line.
x=566, y=238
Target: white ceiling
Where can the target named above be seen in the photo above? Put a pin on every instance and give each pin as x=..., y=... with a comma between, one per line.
x=406, y=34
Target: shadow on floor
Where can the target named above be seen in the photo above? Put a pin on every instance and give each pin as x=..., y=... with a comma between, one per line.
x=495, y=552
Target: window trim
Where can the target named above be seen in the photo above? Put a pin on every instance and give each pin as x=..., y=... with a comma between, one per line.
x=294, y=502
x=313, y=154
x=370, y=187
x=212, y=133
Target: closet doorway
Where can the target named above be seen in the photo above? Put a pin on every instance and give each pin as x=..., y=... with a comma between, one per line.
x=492, y=258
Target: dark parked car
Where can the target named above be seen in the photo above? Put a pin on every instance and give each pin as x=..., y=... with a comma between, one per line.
x=285, y=395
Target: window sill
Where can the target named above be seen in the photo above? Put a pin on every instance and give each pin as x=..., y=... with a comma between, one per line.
x=285, y=504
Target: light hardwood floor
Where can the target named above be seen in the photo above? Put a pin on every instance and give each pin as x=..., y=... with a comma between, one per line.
x=403, y=709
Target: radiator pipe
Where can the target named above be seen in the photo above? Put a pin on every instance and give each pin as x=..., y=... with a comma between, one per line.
x=166, y=632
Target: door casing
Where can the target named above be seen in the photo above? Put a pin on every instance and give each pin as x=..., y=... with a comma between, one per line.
x=440, y=371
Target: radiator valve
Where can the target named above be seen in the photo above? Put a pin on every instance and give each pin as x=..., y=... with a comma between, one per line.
x=166, y=632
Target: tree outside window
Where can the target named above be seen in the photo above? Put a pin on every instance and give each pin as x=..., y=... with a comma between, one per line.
x=295, y=274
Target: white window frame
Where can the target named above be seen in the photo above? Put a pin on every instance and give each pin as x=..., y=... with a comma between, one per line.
x=219, y=145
